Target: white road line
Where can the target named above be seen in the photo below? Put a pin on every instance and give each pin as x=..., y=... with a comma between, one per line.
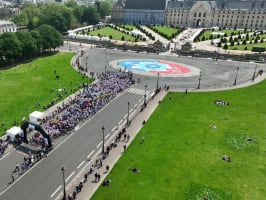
x=125, y=116
x=90, y=154
x=56, y=191
x=70, y=176
x=120, y=122
x=114, y=129
x=107, y=136
x=80, y=164
x=131, y=110
x=135, y=106
x=140, y=100
x=99, y=144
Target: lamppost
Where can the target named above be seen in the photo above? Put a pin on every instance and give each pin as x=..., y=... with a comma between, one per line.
x=236, y=75
x=199, y=80
x=103, y=139
x=157, y=86
x=128, y=113
x=254, y=74
x=64, y=183
x=105, y=70
x=145, y=95
x=86, y=63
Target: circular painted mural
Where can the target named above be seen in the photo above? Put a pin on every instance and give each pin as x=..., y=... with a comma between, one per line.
x=154, y=66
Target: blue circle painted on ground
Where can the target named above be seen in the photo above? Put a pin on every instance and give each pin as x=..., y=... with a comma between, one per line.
x=143, y=65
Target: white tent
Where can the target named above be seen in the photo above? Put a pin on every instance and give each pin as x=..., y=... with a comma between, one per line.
x=36, y=117
x=13, y=132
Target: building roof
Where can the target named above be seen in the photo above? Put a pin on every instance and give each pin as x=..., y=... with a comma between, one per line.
x=146, y=4
x=220, y=4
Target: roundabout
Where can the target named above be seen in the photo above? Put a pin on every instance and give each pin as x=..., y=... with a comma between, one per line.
x=151, y=67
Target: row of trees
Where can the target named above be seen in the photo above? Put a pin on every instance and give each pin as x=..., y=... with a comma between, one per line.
x=62, y=16
x=26, y=44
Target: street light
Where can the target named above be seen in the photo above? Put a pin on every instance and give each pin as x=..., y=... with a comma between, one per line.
x=128, y=113
x=199, y=80
x=253, y=77
x=157, y=87
x=103, y=139
x=64, y=183
x=145, y=95
x=105, y=70
x=236, y=75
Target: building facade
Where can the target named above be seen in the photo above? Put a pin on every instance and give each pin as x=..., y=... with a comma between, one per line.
x=6, y=26
x=250, y=14
x=139, y=11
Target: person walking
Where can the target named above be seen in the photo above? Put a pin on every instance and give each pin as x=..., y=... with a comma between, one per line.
x=125, y=146
x=143, y=139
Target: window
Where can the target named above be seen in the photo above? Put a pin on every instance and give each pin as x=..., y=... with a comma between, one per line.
x=195, y=14
x=199, y=14
x=204, y=14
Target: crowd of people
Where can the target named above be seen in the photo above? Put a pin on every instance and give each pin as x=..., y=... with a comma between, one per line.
x=86, y=102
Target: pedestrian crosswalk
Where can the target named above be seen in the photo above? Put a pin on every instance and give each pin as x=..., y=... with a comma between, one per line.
x=138, y=91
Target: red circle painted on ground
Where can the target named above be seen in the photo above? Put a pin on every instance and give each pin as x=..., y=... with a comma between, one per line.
x=173, y=68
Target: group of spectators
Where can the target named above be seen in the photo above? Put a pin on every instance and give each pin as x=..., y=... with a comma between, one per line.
x=86, y=102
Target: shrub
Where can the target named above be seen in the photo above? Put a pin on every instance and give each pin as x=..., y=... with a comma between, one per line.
x=123, y=38
x=225, y=46
x=246, y=48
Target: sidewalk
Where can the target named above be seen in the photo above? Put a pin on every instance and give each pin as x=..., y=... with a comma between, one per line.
x=90, y=186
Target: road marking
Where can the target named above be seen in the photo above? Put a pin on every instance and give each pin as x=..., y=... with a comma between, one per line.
x=107, y=136
x=114, y=129
x=70, y=176
x=99, y=144
x=135, y=106
x=120, y=122
x=140, y=100
x=56, y=191
x=80, y=164
x=90, y=154
x=131, y=110
x=5, y=155
x=125, y=116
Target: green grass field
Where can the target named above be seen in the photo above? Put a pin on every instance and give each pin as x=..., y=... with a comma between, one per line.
x=207, y=34
x=167, y=30
x=22, y=86
x=128, y=27
x=249, y=46
x=181, y=157
x=116, y=35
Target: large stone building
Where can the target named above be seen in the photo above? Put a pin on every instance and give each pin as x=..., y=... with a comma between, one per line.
x=139, y=11
x=6, y=26
x=249, y=14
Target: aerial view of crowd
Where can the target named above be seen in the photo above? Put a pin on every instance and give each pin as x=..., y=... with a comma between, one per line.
x=86, y=102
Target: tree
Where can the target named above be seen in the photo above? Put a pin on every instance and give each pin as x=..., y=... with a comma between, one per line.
x=28, y=43
x=50, y=37
x=60, y=17
x=37, y=37
x=10, y=47
x=21, y=19
x=105, y=8
x=90, y=15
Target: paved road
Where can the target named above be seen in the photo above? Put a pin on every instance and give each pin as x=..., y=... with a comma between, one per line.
x=43, y=181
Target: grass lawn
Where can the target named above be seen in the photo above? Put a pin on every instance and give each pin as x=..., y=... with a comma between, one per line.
x=167, y=30
x=24, y=85
x=181, y=157
x=207, y=34
x=249, y=46
x=128, y=27
x=116, y=35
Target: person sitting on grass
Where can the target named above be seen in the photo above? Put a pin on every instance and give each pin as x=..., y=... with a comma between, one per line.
x=226, y=158
x=135, y=170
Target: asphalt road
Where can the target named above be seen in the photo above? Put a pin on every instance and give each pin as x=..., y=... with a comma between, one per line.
x=44, y=180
